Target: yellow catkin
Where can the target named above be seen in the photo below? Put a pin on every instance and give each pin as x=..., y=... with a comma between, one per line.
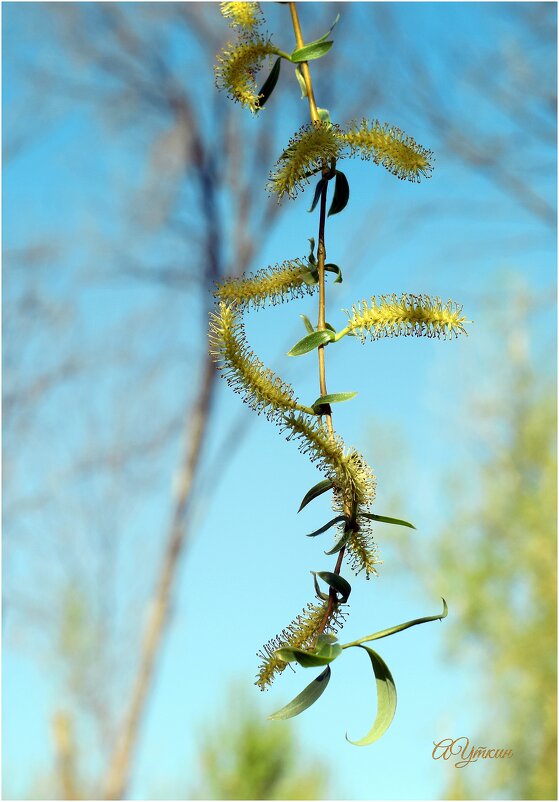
x=389, y=146
x=362, y=550
x=246, y=16
x=269, y=285
x=406, y=315
x=237, y=65
x=311, y=148
x=299, y=634
x=347, y=469
x=260, y=388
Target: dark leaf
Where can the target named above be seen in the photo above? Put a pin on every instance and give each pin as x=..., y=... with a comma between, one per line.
x=318, y=489
x=341, y=194
x=270, y=83
x=327, y=526
x=320, y=188
x=337, y=582
x=385, y=520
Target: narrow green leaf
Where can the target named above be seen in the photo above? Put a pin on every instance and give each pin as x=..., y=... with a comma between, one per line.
x=337, y=582
x=327, y=526
x=311, y=51
x=338, y=546
x=269, y=84
x=327, y=34
x=310, y=342
x=386, y=700
x=330, y=328
x=301, y=81
x=320, y=657
x=312, y=259
x=319, y=593
x=341, y=194
x=308, y=325
x=333, y=398
x=384, y=633
x=331, y=268
x=306, y=698
x=385, y=519
x=320, y=187
x=315, y=491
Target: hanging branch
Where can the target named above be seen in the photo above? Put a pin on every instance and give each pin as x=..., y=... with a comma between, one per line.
x=315, y=150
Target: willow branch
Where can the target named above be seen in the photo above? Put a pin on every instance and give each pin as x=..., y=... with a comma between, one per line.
x=321, y=258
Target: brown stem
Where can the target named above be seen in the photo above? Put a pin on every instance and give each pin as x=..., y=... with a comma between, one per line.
x=196, y=424
x=321, y=255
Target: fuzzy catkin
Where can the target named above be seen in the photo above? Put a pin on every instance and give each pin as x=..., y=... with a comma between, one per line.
x=260, y=388
x=299, y=634
x=406, y=315
x=309, y=150
x=237, y=65
x=243, y=15
x=269, y=285
x=390, y=147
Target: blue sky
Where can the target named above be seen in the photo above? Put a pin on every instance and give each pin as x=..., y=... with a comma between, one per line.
x=246, y=574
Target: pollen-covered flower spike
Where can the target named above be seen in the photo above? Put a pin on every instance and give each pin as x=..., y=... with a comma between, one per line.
x=300, y=634
x=237, y=65
x=310, y=149
x=246, y=16
x=389, y=146
x=270, y=285
x=406, y=315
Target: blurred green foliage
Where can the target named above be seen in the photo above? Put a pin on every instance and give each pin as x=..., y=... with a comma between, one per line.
x=498, y=554
x=504, y=573
x=246, y=756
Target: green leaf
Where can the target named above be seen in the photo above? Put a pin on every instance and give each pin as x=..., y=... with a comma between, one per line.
x=326, y=637
x=337, y=582
x=329, y=327
x=311, y=51
x=319, y=657
x=331, y=268
x=301, y=81
x=310, y=342
x=312, y=259
x=384, y=633
x=327, y=34
x=269, y=84
x=319, y=593
x=310, y=277
x=315, y=491
x=332, y=398
x=340, y=544
x=306, y=698
x=385, y=520
x=308, y=325
x=324, y=115
x=327, y=526
x=320, y=187
x=341, y=194
x=386, y=700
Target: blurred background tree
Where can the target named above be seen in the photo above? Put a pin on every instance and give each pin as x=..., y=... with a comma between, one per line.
x=246, y=757
x=496, y=559
x=128, y=191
